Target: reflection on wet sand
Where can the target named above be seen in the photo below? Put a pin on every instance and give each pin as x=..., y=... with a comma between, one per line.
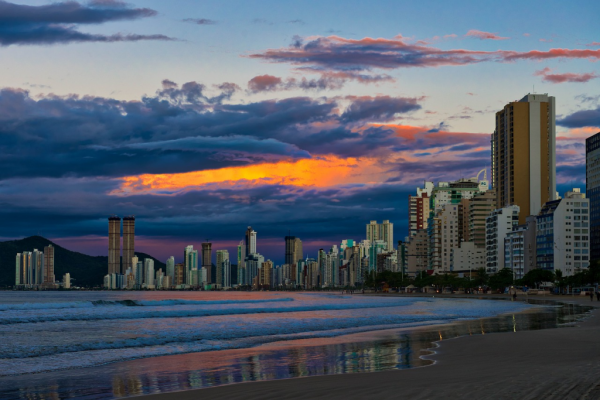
x=366, y=352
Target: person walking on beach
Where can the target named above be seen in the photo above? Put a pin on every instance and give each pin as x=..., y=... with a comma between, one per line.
x=597, y=294
x=591, y=295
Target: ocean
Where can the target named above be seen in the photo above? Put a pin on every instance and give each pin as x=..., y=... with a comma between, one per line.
x=99, y=345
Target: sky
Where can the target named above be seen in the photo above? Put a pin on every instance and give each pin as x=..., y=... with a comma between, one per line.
x=202, y=118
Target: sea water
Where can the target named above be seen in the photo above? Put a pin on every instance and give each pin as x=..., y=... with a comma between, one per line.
x=103, y=344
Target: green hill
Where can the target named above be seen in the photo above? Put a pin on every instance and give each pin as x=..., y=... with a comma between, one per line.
x=86, y=271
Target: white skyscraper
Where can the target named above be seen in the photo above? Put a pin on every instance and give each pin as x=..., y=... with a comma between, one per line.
x=149, y=269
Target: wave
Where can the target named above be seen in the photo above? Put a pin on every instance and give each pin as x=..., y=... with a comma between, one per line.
x=141, y=313
x=129, y=303
x=267, y=331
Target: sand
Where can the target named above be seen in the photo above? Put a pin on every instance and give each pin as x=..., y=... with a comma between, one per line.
x=546, y=364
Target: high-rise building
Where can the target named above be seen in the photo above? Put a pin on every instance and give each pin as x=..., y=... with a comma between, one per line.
x=170, y=268
x=67, y=281
x=241, y=264
x=128, y=241
x=524, y=154
x=149, y=272
x=293, y=250
x=114, y=245
x=180, y=274
x=37, y=263
x=480, y=206
x=563, y=234
x=49, y=264
x=250, y=241
x=592, y=191
x=264, y=277
x=222, y=260
x=418, y=208
x=383, y=231
x=207, y=261
x=498, y=225
x=18, y=273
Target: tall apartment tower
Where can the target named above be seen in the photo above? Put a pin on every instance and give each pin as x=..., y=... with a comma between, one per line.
x=207, y=260
x=49, y=264
x=128, y=242
x=418, y=208
x=250, y=241
x=592, y=191
x=383, y=231
x=114, y=245
x=293, y=250
x=222, y=260
x=524, y=154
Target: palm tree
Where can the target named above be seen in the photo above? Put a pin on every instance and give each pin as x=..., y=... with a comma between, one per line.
x=558, y=276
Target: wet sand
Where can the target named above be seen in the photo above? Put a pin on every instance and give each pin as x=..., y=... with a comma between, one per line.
x=550, y=364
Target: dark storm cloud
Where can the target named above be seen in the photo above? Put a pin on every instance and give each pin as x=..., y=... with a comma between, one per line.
x=182, y=128
x=58, y=22
x=581, y=119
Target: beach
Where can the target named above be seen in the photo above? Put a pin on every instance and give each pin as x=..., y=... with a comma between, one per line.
x=550, y=364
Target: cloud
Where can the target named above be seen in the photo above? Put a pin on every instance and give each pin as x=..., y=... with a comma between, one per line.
x=200, y=21
x=326, y=81
x=261, y=21
x=362, y=55
x=484, y=35
x=593, y=44
x=181, y=128
x=566, y=77
x=580, y=119
x=379, y=108
x=297, y=21
x=58, y=22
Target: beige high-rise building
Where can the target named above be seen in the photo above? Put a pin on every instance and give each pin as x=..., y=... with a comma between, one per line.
x=293, y=250
x=480, y=207
x=524, y=154
x=49, y=264
x=114, y=245
x=128, y=242
x=264, y=273
x=383, y=231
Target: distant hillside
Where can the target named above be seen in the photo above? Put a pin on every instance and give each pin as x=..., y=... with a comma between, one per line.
x=86, y=270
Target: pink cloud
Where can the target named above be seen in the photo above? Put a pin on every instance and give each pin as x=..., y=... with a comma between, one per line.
x=484, y=35
x=566, y=77
x=321, y=54
x=526, y=34
x=264, y=83
x=593, y=44
x=546, y=40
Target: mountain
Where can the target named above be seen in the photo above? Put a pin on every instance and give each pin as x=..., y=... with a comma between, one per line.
x=86, y=271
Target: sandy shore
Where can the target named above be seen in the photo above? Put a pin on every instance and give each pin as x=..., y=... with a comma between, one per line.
x=546, y=364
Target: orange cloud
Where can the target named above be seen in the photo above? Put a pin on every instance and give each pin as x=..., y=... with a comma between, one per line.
x=317, y=172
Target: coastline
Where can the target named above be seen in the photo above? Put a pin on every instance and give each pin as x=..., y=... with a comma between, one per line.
x=550, y=363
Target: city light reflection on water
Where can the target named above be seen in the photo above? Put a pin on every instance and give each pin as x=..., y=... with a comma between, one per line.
x=365, y=352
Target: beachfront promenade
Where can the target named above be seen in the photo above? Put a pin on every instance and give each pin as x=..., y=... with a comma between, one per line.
x=544, y=364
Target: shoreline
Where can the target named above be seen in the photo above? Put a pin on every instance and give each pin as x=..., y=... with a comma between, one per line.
x=549, y=363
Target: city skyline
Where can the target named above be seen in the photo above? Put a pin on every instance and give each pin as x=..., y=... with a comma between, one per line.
x=313, y=124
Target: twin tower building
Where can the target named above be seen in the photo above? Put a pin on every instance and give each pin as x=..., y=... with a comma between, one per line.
x=114, y=244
